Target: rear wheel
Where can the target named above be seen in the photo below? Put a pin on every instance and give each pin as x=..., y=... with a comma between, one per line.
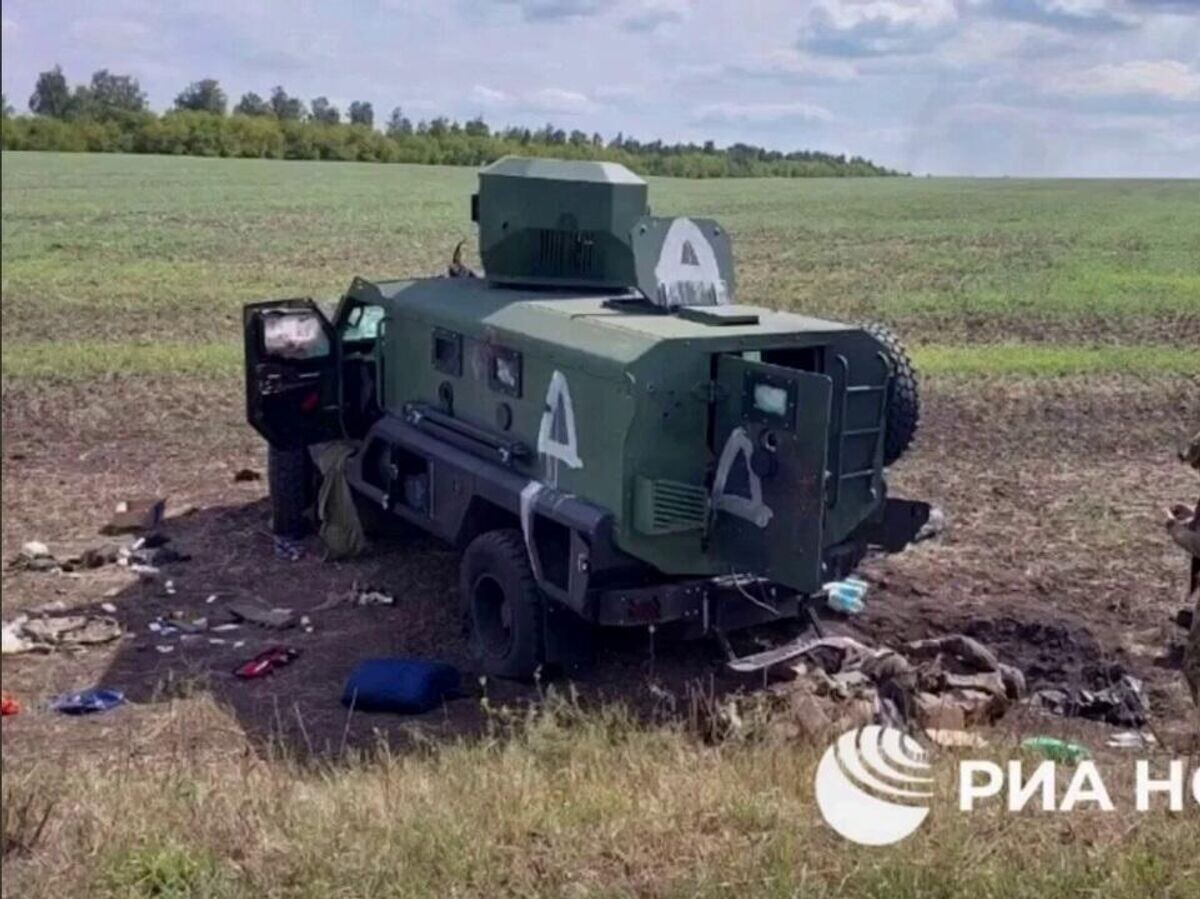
x=291, y=479
x=503, y=605
x=904, y=403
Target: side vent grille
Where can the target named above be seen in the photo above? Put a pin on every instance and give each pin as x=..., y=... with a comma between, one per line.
x=566, y=253
x=668, y=507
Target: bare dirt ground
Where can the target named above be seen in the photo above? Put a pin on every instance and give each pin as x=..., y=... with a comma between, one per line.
x=1055, y=556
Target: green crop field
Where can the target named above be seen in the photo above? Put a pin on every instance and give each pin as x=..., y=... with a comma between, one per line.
x=141, y=263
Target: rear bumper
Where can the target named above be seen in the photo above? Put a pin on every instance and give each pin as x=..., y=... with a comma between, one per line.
x=699, y=606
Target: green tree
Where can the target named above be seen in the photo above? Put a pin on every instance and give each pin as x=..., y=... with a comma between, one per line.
x=477, y=127
x=5, y=109
x=324, y=111
x=108, y=98
x=111, y=94
x=286, y=109
x=362, y=113
x=202, y=96
x=51, y=96
x=252, y=104
x=398, y=125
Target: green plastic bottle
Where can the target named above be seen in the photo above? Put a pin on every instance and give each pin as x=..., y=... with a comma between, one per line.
x=1057, y=750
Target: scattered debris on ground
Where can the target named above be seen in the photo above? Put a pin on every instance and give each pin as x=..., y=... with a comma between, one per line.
x=243, y=475
x=136, y=515
x=143, y=555
x=152, y=554
x=941, y=686
x=1115, y=697
x=1057, y=750
x=846, y=597
x=24, y=634
x=357, y=596
x=371, y=596
x=35, y=556
x=1132, y=739
x=266, y=662
x=254, y=612
x=287, y=549
x=86, y=702
x=9, y=705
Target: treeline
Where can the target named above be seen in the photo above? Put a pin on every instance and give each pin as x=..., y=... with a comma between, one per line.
x=110, y=115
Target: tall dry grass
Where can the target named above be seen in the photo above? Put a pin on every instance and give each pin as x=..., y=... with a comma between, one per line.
x=556, y=801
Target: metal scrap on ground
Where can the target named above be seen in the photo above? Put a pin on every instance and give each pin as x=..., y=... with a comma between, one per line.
x=135, y=515
x=24, y=634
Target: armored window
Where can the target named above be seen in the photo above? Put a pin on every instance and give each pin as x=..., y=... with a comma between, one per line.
x=362, y=323
x=447, y=352
x=504, y=371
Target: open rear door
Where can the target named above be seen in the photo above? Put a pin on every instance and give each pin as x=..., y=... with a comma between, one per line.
x=770, y=438
x=292, y=368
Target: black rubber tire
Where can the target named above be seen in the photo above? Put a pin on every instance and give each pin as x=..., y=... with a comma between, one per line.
x=904, y=400
x=503, y=605
x=291, y=477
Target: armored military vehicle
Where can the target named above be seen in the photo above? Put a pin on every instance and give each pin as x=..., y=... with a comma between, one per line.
x=610, y=438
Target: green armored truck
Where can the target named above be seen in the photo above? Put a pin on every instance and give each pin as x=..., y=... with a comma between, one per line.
x=610, y=438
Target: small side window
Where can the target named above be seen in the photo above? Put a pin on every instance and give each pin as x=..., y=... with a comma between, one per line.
x=362, y=323
x=504, y=371
x=447, y=352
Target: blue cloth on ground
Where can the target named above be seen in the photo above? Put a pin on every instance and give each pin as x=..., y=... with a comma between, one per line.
x=87, y=701
x=410, y=686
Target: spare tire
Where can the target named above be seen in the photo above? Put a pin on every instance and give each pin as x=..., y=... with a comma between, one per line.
x=904, y=403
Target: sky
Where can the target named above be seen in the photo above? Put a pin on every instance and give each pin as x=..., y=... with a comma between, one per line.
x=1093, y=88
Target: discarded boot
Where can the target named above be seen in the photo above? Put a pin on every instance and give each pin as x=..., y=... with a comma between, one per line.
x=266, y=662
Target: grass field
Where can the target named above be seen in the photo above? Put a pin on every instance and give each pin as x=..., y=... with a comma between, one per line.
x=1057, y=328
x=125, y=252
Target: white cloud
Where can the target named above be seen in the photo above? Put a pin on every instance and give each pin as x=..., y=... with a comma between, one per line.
x=877, y=27
x=111, y=34
x=787, y=67
x=916, y=13
x=547, y=100
x=557, y=100
x=1165, y=78
x=650, y=15
x=760, y=113
x=488, y=96
x=555, y=10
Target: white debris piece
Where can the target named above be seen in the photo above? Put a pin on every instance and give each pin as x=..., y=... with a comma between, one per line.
x=35, y=549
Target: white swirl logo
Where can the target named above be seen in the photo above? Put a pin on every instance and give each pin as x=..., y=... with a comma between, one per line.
x=876, y=758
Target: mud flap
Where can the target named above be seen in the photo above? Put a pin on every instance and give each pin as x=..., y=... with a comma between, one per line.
x=768, y=493
x=903, y=521
x=570, y=641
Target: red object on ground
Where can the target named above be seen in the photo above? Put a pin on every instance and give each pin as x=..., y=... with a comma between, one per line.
x=9, y=705
x=266, y=662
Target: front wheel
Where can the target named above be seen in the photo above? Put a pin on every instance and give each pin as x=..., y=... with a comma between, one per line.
x=503, y=605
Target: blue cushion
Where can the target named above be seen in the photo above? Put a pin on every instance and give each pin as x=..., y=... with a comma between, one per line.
x=400, y=685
